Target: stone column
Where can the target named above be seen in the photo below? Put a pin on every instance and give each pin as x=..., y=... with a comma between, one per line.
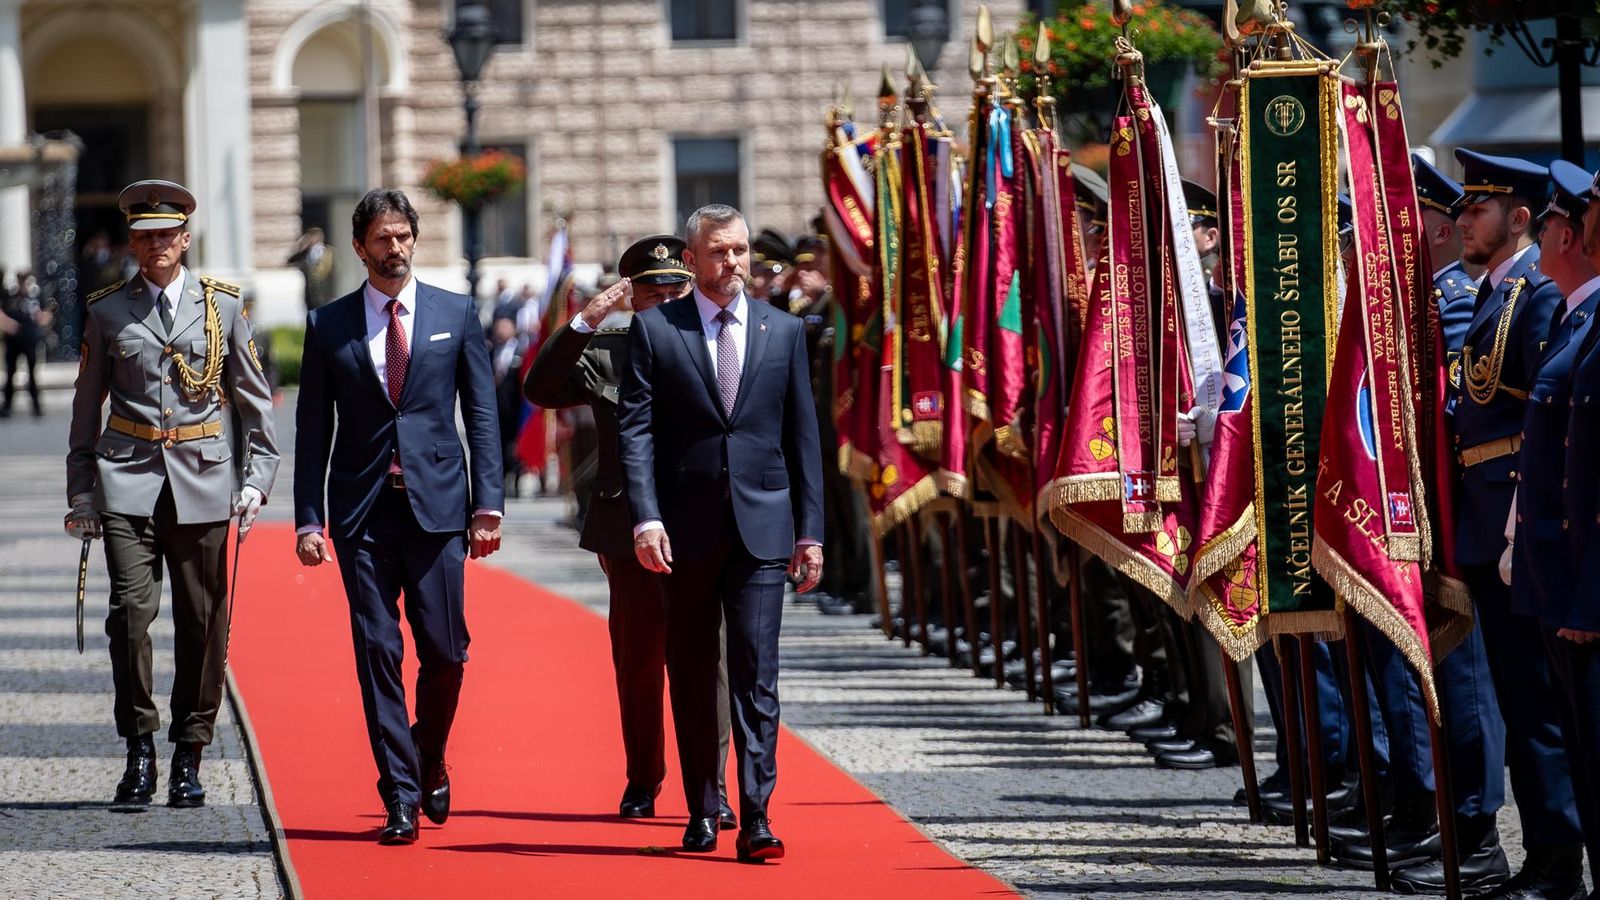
x=16, y=237
x=217, y=131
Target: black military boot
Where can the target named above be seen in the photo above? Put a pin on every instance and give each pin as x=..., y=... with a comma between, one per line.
x=184, y=790
x=1411, y=837
x=1548, y=872
x=138, y=782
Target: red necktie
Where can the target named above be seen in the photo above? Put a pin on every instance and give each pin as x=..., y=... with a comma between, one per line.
x=397, y=354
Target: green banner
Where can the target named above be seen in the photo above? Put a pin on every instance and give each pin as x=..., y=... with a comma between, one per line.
x=1289, y=133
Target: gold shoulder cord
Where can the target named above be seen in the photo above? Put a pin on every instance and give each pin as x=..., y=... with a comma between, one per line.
x=1483, y=373
x=198, y=384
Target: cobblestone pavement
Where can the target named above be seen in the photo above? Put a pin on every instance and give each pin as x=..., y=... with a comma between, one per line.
x=1050, y=808
x=60, y=756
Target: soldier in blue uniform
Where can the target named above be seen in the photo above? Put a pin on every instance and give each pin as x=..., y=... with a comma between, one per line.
x=1560, y=586
x=1454, y=290
x=1500, y=356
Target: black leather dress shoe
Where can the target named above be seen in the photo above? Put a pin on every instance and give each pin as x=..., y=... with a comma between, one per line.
x=1160, y=731
x=1195, y=758
x=1272, y=787
x=726, y=820
x=138, y=782
x=1343, y=795
x=435, y=790
x=638, y=803
x=1170, y=745
x=400, y=827
x=757, y=843
x=1483, y=872
x=1548, y=872
x=1145, y=712
x=1403, y=847
x=184, y=790
x=701, y=835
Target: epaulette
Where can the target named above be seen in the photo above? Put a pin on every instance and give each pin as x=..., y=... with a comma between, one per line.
x=222, y=286
x=111, y=288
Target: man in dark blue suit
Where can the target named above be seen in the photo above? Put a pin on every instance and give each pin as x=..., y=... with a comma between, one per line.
x=404, y=504
x=1500, y=357
x=724, y=478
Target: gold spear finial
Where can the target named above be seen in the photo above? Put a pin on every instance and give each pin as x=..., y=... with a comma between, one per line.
x=985, y=29
x=1121, y=12
x=1230, y=27
x=1254, y=16
x=1010, y=55
x=1041, y=50
x=975, y=61
x=911, y=63
x=886, y=91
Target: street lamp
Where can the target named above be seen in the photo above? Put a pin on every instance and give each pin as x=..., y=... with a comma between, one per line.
x=928, y=26
x=472, y=41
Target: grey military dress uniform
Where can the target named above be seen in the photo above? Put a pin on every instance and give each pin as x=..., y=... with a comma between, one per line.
x=164, y=468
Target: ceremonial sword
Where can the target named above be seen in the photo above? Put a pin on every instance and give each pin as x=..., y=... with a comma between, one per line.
x=83, y=578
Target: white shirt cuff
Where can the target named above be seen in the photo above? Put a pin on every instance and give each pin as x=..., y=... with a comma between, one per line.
x=580, y=326
x=648, y=525
x=808, y=542
x=489, y=512
x=308, y=529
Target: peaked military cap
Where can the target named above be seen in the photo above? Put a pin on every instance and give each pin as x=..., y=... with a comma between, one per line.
x=156, y=204
x=657, y=259
x=1571, y=189
x=1098, y=199
x=808, y=248
x=1201, y=202
x=1435, y=190
x=1484, y=176
x=771, y=249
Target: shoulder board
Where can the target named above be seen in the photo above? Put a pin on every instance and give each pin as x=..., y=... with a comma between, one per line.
x=108, y=289
x=222, y=286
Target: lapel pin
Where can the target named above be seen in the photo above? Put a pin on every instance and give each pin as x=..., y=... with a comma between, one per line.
x=763, y=326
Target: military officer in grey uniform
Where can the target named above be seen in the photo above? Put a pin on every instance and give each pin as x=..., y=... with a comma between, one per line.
x=582, y=364
x=161, y=476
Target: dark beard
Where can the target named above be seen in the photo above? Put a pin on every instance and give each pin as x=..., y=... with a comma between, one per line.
x=1482, y=258
x=394, y=268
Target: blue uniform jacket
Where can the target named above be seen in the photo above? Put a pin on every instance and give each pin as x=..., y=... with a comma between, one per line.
x=1484, y=497
x=1578, y=605
x=1542, y=565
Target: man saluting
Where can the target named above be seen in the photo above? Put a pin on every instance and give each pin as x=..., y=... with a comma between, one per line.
x=159, y=481
x=405, y=506
x=724, y=478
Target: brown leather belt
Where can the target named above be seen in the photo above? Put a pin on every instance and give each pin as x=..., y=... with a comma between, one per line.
x=169, y=435
x=1482, y=453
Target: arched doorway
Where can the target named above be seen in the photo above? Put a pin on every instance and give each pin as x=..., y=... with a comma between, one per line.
x=336, y=73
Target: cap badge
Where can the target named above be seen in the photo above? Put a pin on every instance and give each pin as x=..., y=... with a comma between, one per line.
x=660, y=252
x=153, y=198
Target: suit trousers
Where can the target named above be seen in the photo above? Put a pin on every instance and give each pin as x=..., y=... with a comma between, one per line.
x=637, y=619
x=393, y=556
x=1576, y=668
x=748, y=593
x=1541, y=779
x=1474, y=734
x=197, y=557
x=1404, y=714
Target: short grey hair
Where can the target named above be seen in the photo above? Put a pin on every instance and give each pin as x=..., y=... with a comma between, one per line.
x=714, y=214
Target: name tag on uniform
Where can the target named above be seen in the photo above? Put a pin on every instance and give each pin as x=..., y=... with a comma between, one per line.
x=439, y=337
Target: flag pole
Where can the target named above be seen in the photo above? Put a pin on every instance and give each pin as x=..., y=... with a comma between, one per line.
x=1314, y=761
x=969, y=608
x=1021, y=589
x=1362, y=713
x=1288, y=671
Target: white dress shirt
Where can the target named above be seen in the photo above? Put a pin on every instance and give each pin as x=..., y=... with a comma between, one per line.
x=171, y=294
x=1499, y=273
x=1582, y=293
x=378, y=325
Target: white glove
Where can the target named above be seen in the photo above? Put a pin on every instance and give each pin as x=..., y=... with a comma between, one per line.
x=1186, y=430
x=1505, y=565
x=82, y=521
x=1205, y=425
x=247, y=508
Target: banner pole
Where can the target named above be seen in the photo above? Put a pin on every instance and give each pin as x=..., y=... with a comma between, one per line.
x=997, y=609
x=879, y=565
x=902, y=550
x=1021, y=592
x=919, y=600
x=1080, y=640
x=1444, y=799
x=1314, y=760
x=1047, y=681
x=1361, y=713
x=969, y=608
x=1243, y=734
x=954, y=574
x=1288, y=671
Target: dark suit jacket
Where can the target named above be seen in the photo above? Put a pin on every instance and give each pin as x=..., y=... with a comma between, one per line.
x=338, y=383
x=684, y=459
x=1486, y=488
x=574, y=369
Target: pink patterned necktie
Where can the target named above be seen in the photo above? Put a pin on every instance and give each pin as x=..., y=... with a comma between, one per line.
x=727, y=364
x=396, y=354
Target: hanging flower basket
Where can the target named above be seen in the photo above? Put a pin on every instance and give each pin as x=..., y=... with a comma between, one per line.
x=475, y=180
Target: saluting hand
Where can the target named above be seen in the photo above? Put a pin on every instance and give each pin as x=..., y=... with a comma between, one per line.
x=312, y=549
x=604, y=302
x=485, y=536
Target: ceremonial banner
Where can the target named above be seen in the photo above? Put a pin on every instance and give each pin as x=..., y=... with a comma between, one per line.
x=919, y=364
x=968, y=265
x=1226, y=599
x=1449, y=607
x=849, y=210
x=1289, y=143
x=1007, y=366
x=977, y=303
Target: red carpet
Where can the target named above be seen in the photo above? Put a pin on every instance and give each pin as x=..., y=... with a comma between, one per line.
x=536, y=766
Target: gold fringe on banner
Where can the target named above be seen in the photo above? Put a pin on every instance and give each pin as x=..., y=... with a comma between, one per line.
x=1373, y=606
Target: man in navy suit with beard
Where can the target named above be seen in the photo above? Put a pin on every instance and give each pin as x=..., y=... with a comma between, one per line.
x=724, y=477
x=405, y=504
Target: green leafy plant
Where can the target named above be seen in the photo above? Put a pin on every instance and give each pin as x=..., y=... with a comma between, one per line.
x=475, y=180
